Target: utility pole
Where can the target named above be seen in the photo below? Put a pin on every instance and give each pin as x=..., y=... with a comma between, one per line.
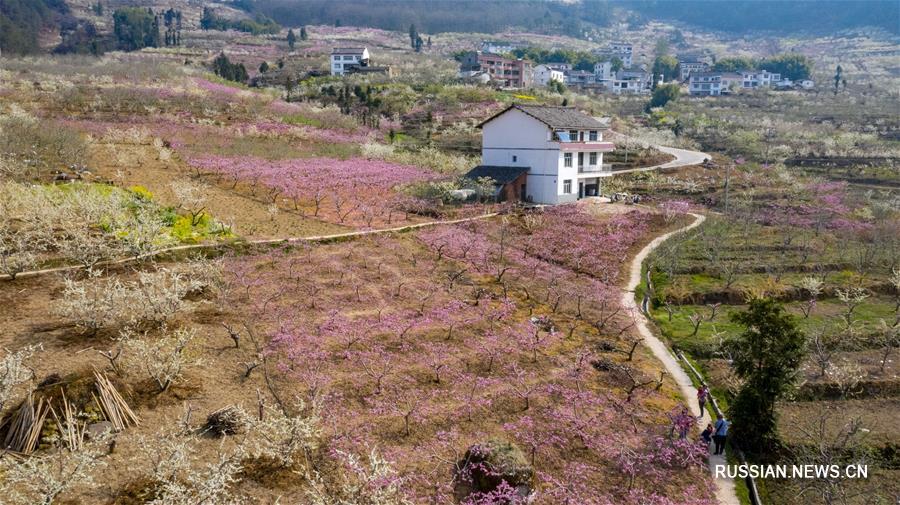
x=727, y=185
x=738, y=161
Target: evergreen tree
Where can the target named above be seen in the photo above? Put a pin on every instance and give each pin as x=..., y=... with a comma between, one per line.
x=291, y=39
x=418, y=44
x=303, y=34
x=413, y=35
x=263, y=67
x=837, y=78
x=207, y=19
x=767, y=357
x=135, y=28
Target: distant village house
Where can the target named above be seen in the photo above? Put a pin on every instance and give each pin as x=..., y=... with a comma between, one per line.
x=344, y=58
x=545, y=74
x=507, y=72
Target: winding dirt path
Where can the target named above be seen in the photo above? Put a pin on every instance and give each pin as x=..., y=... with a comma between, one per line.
x=725, y=493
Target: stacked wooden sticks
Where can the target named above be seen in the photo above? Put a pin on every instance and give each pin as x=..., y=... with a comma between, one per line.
x=26, y=424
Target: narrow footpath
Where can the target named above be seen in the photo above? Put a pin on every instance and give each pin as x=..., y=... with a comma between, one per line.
x=219, y=245
x=725, y=493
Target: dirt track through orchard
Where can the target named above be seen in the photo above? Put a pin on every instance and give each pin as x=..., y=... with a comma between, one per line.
x=725, y=492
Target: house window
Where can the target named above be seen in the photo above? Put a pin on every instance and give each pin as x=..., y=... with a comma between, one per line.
x=573, y=135
x=593, y=159
x=515, y=158
x=567, y=186
x=567, y=159
x=592, y=135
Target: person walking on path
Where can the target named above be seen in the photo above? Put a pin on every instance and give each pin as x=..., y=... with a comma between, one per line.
x=707, y=434
x=721, y=433
x=702, y=396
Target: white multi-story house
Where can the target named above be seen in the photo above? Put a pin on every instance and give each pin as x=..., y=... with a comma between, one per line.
x=631, y=80
x=757, y=78
x=603, y=70
x=551, y=154
x=622, y=50
x=544, y=75
x=580, y=77
x=705, y=83
x=688, y=67
x=723, y=83
x=343, y=58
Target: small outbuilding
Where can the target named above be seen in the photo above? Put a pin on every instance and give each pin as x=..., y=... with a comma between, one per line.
x=509, y=182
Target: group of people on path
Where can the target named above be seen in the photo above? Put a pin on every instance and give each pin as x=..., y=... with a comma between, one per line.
x=717, y=433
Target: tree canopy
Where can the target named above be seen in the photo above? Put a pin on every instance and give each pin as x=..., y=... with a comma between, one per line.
x=664, y=94
x=767, y=356
x=666, y=66
x=135, y=28
x=790, y=65
x=22, y=20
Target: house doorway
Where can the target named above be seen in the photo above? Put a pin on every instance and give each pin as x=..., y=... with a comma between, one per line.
x=580, y=189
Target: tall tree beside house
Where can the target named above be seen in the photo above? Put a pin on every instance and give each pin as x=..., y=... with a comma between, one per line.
x=666, y=66
x=767, y=357
x=616, y=64
x=664, y=94
x=291, y=39
x=733, y=64
x=303, y=34
x=791, y=66
x=661, y=48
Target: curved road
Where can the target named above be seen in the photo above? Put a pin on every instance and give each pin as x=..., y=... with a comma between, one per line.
x=683, y=158
x=725, y=493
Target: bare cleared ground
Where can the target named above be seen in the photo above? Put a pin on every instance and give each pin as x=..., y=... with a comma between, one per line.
x=128, y=165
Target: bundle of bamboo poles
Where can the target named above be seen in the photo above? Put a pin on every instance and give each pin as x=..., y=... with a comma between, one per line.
x=71, y=431
x=25, y=426
x=26, y=423
x=113, y=405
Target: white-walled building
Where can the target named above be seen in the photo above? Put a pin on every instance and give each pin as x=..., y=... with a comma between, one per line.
x=757, y=78
x=558, y=149
x=544, y=75
x=343, y=58
x=624, y=51
x=603, y=70
x=688, y=67
x=631, y=80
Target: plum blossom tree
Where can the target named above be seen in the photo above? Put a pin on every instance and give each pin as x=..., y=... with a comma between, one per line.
x=14, y=371
x=163, y=359
x=42, y=479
